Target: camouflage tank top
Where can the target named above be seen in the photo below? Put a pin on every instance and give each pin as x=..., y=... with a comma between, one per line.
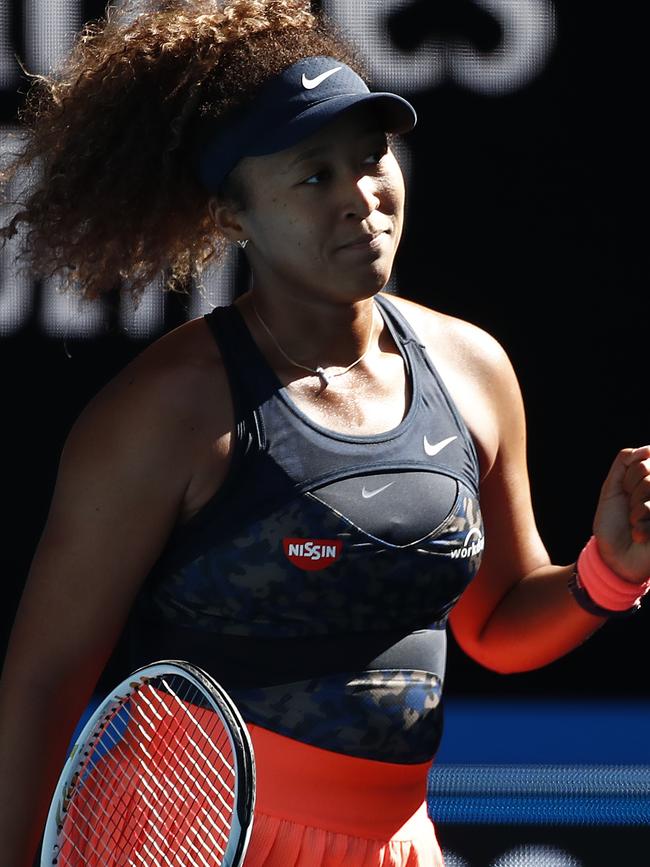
x=316, y=584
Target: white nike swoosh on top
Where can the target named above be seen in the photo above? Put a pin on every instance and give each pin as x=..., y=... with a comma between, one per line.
x=368, y=494
x=432, y=450
x=311, y=83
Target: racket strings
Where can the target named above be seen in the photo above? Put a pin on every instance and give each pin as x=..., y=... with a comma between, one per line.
x=80, y=823
x=197, y=751
x=193, y=756
x=158, y=781
x=200, y=827
x=94, y=808
x=158, y=817
x=173, y=746
x=219, y=752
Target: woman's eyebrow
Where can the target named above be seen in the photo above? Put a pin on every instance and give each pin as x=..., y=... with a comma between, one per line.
x=320, y=149
x=307, y=154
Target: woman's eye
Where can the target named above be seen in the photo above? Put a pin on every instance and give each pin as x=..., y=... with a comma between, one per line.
x=316, y=178
x=376, y=156
x=372, y=159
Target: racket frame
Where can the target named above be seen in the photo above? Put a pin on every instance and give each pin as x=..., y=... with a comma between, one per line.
x=238, y=735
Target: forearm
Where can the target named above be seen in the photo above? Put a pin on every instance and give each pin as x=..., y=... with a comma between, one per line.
x=535, y=623
x=36, y=724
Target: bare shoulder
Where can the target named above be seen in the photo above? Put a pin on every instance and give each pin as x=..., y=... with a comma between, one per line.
x=455, y=338
x=168, y=373
x=168, y=410
x=164, y=390
x=476, y=371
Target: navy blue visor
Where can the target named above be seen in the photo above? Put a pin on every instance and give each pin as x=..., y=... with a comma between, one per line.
x=288, y=108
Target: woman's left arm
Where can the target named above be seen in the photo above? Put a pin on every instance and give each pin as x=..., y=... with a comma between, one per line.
x=518, y=614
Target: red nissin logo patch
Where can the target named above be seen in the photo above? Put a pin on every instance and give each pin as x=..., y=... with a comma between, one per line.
x=312, y=554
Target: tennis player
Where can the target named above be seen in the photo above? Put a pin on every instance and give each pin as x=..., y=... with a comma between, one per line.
x=298, y=491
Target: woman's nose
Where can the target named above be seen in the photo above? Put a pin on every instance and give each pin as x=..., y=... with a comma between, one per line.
x=362, y=197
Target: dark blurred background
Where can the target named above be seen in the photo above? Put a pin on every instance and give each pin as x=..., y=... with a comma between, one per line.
x=524, y=217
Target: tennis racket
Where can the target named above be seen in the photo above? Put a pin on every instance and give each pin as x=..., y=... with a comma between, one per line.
x=162, y=775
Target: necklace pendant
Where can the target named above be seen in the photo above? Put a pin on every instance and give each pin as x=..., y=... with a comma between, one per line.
x=325, y=378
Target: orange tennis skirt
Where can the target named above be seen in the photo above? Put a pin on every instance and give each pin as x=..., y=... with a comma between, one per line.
x=317, y=808
x=314, y=808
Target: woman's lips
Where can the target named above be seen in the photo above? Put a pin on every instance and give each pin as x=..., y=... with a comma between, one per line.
x=364, y=242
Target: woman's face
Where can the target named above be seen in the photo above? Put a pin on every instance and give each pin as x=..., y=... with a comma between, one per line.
x=324, y=216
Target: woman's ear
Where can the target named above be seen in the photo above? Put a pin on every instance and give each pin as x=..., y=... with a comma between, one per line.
x=226, y=218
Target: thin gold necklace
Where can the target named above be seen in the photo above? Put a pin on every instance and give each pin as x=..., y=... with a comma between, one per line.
x=318, y=371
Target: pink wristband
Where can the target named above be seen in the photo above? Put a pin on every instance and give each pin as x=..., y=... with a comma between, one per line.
x=604, y=586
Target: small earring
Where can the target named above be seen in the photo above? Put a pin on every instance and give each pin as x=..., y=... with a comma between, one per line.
x=243, y=243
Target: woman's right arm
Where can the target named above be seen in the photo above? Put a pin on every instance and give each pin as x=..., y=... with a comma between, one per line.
x=123, y=476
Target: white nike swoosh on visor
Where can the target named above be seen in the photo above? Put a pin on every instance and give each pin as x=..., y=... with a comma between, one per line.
x=368, y=494
x=432, y=450
x=311, y=83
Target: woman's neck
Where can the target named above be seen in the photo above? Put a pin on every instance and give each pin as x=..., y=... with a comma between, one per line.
x=312, y=333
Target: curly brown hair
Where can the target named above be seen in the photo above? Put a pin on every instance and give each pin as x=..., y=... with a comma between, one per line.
x=116, y=203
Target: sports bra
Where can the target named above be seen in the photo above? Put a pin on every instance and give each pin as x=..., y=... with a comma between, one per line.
x=315, y=585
